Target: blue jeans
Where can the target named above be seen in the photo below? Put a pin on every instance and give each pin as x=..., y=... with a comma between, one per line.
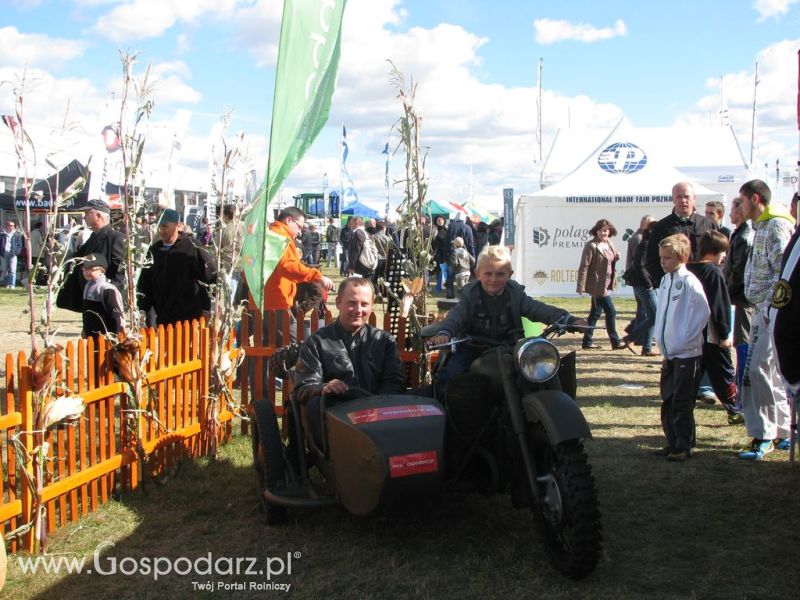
x=442, y=279
x=9, y=271
x=602, y=304
x=643, y=329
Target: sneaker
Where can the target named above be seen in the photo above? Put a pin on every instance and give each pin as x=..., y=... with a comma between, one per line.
x=649, y=353
x=735, y=418
x=665, y=451
x=679, y=456
x=782, y=443
x=758, y=448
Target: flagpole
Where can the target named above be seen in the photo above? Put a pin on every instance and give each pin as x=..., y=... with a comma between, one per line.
x=341, y=172
x=753, y=123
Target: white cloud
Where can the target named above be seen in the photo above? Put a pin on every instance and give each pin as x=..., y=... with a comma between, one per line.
x=258, y=30
x=772, y=8
x=36, y=50
x=550, y=31
x=776, y=94
x=140, y=19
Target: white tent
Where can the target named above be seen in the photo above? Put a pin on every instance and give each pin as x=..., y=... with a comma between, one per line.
x=710, y=156
x=619, y=181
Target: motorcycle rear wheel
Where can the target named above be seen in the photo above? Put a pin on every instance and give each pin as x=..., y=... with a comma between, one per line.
x=569, y=518
x=268, y=460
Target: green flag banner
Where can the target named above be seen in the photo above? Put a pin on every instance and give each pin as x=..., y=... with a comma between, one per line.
x=308, y=58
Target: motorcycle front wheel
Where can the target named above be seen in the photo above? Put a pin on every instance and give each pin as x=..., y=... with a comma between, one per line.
x=569, y=516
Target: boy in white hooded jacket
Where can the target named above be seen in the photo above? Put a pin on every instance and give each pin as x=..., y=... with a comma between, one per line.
x=680, y=318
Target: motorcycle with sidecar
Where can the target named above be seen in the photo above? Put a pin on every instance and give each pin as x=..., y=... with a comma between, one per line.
x=510, y=424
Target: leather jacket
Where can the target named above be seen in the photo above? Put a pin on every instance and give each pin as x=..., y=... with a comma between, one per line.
x=693, y=227
x=367, y=359
x=738, y=253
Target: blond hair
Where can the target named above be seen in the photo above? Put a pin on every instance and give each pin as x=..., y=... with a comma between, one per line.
x=458, y=242
x=679, y=245
x=493, y=254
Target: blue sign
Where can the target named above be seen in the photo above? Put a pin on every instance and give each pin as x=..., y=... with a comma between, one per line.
x=622, y=158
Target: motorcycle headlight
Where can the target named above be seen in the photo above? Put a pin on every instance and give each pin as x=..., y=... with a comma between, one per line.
x=537, y=359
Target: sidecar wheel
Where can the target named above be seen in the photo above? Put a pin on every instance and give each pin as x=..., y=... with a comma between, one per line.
x=268, y=460
x=570, y=516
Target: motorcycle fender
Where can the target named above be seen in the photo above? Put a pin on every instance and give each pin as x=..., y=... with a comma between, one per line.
x=558, y=414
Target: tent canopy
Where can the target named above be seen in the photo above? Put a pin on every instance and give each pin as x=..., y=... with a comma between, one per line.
x=620, y=167
x=44, y=191
x=436, y=209
x=360, y=209
x=621, y=180
x=710, y=156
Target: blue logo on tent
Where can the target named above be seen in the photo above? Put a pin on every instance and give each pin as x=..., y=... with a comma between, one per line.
x=622, y=158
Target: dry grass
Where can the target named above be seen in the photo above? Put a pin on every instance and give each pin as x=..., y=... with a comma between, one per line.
x=714, y=527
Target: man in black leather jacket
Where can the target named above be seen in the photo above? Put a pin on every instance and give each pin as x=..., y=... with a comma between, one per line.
x=105, y=241
x=738, y=253
x=347, y=353
x=683, y=219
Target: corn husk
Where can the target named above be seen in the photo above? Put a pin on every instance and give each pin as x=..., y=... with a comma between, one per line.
x=126, y=356
x=43, y=365
x=63, y=409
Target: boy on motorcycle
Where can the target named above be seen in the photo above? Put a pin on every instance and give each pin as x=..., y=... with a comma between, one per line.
x=492, y=308
x=347, y=353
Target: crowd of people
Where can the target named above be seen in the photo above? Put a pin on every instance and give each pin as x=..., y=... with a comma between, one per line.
x=703, y=293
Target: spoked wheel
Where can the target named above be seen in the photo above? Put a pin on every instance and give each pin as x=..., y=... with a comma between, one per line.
x=268, y=460
x=569, y=517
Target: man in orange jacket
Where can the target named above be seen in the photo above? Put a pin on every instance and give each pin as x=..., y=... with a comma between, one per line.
x=281, y=287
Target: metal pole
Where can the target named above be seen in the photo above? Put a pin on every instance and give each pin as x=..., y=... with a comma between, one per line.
x=753, y=122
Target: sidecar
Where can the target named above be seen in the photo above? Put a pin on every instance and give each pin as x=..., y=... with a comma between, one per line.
x=377, y=453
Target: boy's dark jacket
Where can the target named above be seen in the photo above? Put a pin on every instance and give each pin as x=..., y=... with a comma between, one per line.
x=713, y=282
x=460, y=317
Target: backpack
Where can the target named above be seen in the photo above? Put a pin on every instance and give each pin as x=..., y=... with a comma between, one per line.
x=369, y=253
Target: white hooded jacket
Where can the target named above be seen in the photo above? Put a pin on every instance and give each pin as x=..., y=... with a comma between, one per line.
x=681, y=315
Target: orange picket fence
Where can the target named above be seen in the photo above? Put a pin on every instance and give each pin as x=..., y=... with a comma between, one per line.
x=115, y=444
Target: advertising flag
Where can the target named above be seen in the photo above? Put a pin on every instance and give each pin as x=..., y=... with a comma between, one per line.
x=349, y=193
x=308, y=58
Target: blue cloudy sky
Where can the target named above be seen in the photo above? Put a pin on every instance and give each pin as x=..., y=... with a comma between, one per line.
x=475, y=62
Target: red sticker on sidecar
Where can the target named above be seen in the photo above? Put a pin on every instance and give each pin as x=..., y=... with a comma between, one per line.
x=413, y=464
x=389, y=413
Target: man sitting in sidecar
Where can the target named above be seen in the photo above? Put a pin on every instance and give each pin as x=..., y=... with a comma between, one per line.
x=375, y=446
x=347, y=353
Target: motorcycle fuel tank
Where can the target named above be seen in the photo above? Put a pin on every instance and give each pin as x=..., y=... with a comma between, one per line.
x=387, y=452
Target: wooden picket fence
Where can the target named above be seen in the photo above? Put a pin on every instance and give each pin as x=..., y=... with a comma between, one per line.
x=95, y=459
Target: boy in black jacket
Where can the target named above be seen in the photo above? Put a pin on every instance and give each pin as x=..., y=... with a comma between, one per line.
x=717, y=361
